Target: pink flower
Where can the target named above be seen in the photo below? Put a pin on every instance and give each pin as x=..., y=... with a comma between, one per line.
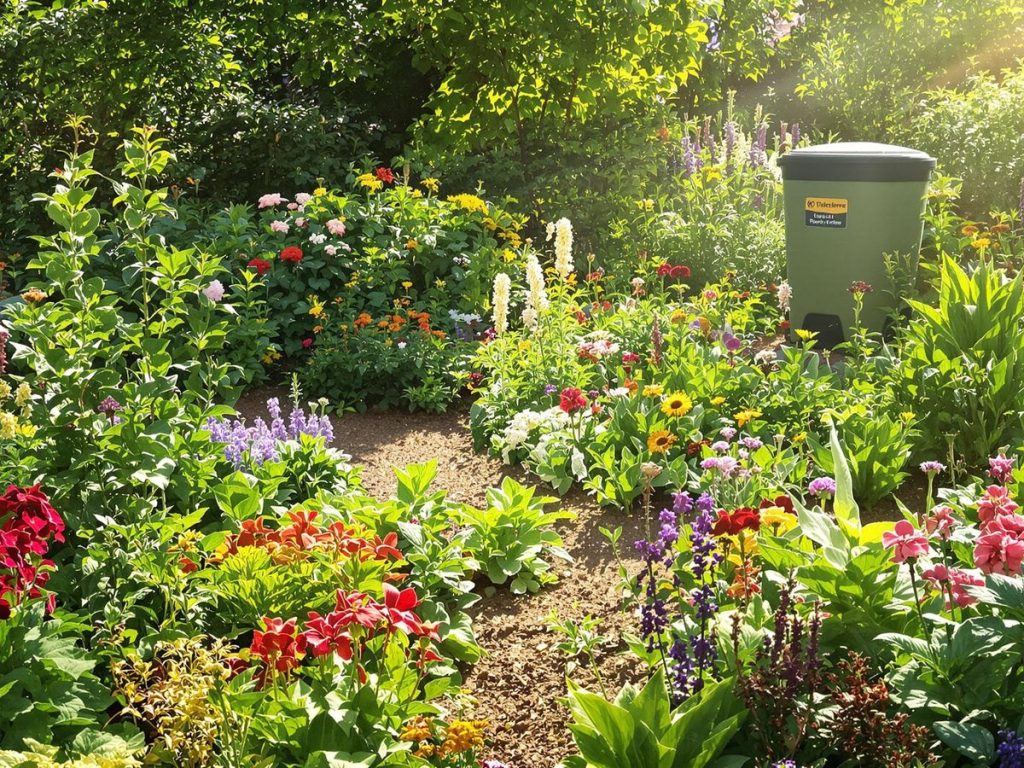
x=279, y=226
x=303, y=197
x=330, y=250
x=1001, y=468
x=999, y=552
x=301, y=222
x=906, y=542
x=307, y=343
x=941, y=521
x=214, y=291
x=269, y=201
x=996, y=501
x=336, y=227
x=957, y=580
x=293, y=206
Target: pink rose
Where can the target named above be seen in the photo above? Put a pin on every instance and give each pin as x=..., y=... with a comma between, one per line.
x=905, y=541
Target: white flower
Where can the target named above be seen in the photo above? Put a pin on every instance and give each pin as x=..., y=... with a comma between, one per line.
x=550, y=230
x=784, y=294
x=619, y=392
x=330, y=250
x=563, y=248
x=318, y=239
x=401, y=345
x=578, y=464
x=214, y=291
x=537, y=295
x=502, y=290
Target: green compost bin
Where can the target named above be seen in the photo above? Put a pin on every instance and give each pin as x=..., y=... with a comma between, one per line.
x=846, y=206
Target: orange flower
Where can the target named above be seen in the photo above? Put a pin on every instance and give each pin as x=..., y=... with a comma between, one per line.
x=363, y=320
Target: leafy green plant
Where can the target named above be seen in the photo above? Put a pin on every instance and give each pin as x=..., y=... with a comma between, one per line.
x=639, y=728
x=511, y=536
x=963, y=362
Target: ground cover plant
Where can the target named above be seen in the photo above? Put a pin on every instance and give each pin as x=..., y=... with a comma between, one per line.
x=413, y=384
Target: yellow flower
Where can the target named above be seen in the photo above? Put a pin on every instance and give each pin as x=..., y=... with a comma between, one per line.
x=799, y=437
x=677, y=404
x=463, y=736
x=778, y=519
x=8, y=426
x=718, y=400
x=431, y=184
x=524, y=345
x=5, y=390
x=981, y=242
x=746, y=415
x=417, y=193
x=316, y=310
x=490, y=224
x=804, y=334
x=660, y=441
x=678, y=316
x=369, y=181
x=33, y=295
x=407, y=284
x=22, y=394
x=470, y=203
x=712, y=172
x=317, y=328
x=411, y=244
x=968, y=230
x=319, y=192
x=417, y=729
x=440, y=283
x=271, y=356
x=653, y=390
x=646, y=204
x=508, y=255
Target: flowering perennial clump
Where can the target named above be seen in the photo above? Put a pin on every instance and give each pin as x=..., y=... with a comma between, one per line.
x=28, y=525
x=252, y=446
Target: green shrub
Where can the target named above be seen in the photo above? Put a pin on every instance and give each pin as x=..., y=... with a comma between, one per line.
x=977, y=134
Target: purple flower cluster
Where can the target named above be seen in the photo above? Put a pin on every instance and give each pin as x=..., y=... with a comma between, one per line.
x=822, y=486
x=758, y=154
x=4, y=338
x=259, y=443
x=1010, y=750
x=725, y=465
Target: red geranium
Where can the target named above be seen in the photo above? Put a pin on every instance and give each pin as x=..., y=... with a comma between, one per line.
x=262, y=266
x=385, y=174
x=292, y=253
x=572, y=400
x=744, y=518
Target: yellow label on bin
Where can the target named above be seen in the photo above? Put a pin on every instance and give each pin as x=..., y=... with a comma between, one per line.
x=827, y=212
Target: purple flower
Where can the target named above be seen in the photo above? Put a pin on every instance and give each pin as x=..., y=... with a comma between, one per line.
x=822, y=486
x=724, y=465
x=550, y=389
x=255, y=445
x=1010, y=750
x=932, y=467
x=730, y=144
x=728, y=432
x=752, y=443
x=681, y=503
x=720, y=446
x=1001, y=468
x=4, y=338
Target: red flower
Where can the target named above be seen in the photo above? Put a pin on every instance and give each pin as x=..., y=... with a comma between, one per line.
x=664, y=269
x=679, y=271
x=357, y=608
x=278, y=644
x=782, y=501
x=628, y=358
x=291, y=253
x=187, y=565
x=262, y=266
x=385, y=174
x=744, y=518
x=398, y=609
x=572, y=400
x=326, y=635
x=29, y=511
x=307, y=343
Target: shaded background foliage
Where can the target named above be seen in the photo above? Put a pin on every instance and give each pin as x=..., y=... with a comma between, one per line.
x=563, y=106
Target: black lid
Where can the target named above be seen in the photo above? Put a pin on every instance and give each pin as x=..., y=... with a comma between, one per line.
x=856, y=161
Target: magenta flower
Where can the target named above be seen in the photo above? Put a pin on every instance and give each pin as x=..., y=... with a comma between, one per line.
x=932, y=467
x=1001, y=468
x=999, y=552
x=906, y=542
x=996, y=501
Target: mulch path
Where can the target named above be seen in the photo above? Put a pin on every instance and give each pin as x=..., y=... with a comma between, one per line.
x=521, y=679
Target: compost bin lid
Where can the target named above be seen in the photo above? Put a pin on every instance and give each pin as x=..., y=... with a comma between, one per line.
x=856, y=161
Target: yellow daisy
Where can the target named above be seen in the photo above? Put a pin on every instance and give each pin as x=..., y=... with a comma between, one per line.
x=660, y=441
x=677, y=404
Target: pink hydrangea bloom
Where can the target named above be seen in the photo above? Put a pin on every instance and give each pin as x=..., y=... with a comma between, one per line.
x=301, y=222
x=906, y=541
x=330, y=250
x=336, y=227
x=269, y=201
x=995, y=502
x=214, y=291
x=303, y=197
x=279, y=226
